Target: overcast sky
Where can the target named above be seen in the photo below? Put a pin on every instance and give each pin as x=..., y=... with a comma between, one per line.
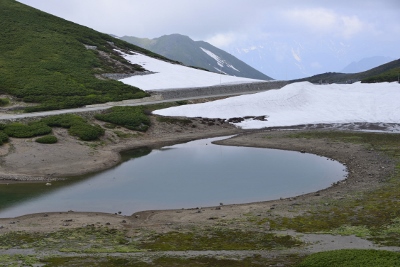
x=224, y=23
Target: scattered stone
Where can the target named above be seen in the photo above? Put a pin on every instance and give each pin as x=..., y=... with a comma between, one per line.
x=48, y=184
x=213, y=218
x=45, y=215
x=218, y=208
x=137, y=216
x=108, y=223
x=123, y=221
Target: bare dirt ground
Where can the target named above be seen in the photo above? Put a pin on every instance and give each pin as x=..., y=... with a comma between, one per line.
x=26, y=160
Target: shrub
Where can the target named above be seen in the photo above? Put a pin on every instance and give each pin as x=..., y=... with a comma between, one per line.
x=47, y=139
x=85, y=131
x=132, y=118
x=33, y=129
x=64, y=120
x=77, y=126
x=4, y=102
x=3, y=138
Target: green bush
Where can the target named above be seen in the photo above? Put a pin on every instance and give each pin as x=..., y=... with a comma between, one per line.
x=77, y=126
x=132, y=118
x=352, y=258
x=20, y=130
x=3, y=138
x=47, y=139
x=86, y=132
x=4, y=102
x=64, y=120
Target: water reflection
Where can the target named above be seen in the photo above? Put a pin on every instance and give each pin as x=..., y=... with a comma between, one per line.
x=187, y=175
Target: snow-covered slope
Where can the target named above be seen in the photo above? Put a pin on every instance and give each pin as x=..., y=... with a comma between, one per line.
x=304, y=103
x=174, y=76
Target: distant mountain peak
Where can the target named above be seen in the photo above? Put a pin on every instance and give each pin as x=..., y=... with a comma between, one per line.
x=366, y=64
x=197, y=54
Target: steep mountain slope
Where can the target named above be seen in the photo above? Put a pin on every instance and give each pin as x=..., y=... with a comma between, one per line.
x=54, y=62
x=198, y=54
x=385, y=73
x=366, y=64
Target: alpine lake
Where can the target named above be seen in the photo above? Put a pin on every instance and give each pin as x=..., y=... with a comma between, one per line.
x=189, y=175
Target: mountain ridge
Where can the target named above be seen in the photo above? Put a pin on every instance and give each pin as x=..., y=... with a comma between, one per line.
x=198, y=54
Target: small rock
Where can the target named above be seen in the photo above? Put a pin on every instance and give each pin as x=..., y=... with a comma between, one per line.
x=48, y=184
x=119, y=212
x=218, y=208
x=137, y=216
x=108, y=223
x=123, y=221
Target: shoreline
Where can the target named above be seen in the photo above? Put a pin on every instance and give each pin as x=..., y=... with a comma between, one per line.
x=367, y=170
x=353, y=157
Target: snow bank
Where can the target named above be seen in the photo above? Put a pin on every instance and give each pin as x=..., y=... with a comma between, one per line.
x=169, y=75
x=304, y=103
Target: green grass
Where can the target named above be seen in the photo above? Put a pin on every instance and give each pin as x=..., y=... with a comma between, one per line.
x=353, y=258
x=219, y=239
x=43, y=60
x=132, y=118
x=165, y=261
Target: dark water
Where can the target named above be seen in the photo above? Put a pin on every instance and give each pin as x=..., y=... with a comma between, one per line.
x=188, y=175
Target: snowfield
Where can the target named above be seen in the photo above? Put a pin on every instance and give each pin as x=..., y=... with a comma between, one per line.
x=169, y=75
x=304, y=103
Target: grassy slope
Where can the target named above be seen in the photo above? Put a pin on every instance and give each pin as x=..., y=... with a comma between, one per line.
x=385, y=73
x=43, y=60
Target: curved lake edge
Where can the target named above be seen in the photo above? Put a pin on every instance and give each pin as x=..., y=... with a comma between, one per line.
x=355, y=157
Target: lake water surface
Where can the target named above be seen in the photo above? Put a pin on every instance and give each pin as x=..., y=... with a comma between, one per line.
x=187, y=175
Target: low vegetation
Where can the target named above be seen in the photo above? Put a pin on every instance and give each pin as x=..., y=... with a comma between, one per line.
x=387, y=76
x=353, y=258
x=132, y=118
x=47, y=139
x=76, y=126
x=374, y=215
x=29, y=130
x=219, y=239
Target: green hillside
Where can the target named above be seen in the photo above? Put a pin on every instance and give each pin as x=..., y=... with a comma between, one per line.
x=54, y=63
x=384, y=73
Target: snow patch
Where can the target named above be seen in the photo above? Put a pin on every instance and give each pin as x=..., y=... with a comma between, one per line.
x=168, y=75
x=304, y=103
x=219, y=60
